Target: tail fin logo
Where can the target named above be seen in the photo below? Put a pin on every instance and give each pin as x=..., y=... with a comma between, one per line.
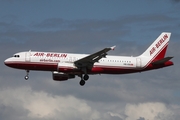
x=158, y=44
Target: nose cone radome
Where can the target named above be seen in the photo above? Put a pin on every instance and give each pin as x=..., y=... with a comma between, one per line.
x=8, y=62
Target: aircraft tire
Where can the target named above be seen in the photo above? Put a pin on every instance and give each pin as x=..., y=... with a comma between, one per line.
x=82, y=82
x=86, y=77
x=26, y=77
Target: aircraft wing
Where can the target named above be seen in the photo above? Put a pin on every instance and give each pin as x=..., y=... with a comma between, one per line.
x=88, y=61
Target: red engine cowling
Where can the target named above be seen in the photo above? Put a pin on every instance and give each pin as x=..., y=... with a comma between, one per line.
x=61, y=76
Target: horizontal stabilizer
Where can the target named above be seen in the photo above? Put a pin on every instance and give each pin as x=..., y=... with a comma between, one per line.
x=162, y=61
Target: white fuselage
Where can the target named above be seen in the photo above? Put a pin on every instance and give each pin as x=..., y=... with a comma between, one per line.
x=67, y=65
x=32, y=59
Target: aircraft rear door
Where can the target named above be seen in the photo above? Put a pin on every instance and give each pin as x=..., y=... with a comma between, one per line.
x=138, y=62
x=28, y=56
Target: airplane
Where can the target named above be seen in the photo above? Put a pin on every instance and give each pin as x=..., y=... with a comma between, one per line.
x=66, y=66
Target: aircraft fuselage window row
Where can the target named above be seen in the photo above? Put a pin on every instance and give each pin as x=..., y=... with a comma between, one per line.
x=114, y=61
x=119, y=61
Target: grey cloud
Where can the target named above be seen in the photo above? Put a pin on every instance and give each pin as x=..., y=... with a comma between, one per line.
x=120, y=24
x=141, y=118
x=51, y=23
x=148, y=111
x=25, y=103
x=10, y=113
x=79, y=32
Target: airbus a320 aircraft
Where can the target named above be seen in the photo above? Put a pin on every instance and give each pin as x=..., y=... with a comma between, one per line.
x=66, y=66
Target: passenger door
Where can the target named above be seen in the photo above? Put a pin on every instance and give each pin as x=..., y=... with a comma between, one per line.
x=28, y=56
x=138, y=62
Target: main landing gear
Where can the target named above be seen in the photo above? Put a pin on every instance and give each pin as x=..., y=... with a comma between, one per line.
x=27, y=75
x=83, y=79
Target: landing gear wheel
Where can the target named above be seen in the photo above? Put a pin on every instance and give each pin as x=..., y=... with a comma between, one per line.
x=82, y=82
x=26, y=77
x=86, y=77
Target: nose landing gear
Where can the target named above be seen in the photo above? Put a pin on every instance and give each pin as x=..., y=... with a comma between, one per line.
x=27, y=75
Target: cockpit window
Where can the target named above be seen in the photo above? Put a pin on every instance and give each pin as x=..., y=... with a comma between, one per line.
x=16, y=56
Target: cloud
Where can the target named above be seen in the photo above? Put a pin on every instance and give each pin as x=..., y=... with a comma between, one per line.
x=26, y=103
x=148, y=111
x=58, y=34
x=41, y=105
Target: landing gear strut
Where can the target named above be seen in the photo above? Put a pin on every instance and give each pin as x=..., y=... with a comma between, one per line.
x=27, y=75
x=83, y=79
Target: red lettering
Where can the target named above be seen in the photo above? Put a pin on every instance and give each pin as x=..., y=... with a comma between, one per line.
x=50, y=55
x=165, y=36
x=36, y=54
x=55, y=55
x=161, y=41
x=152, y=50
x=63, y=55
x=157, y=45
x=39, y=54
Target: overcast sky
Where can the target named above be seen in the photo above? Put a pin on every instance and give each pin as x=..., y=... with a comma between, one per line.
x=81, y=26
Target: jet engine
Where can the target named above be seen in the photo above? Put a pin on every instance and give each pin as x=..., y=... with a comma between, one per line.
x=57, y=76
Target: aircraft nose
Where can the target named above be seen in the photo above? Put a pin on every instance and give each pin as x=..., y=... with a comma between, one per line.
x=6, y=62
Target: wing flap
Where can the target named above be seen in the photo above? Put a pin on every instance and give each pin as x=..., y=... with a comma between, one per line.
x=89, y=60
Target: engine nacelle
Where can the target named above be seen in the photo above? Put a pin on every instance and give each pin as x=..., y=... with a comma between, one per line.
x=61, y=76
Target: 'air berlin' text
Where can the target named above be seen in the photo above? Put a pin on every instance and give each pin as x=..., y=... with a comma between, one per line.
x=158, y=44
